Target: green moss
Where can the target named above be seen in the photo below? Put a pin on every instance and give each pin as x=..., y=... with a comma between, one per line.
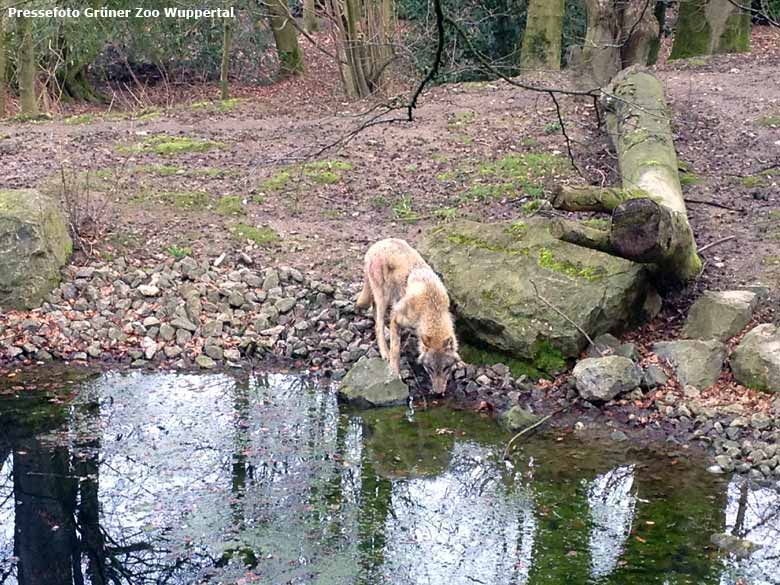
x=690, y=178
x=161, y=170
x=478, y=356
x=547, y=357
x=277, y=182
x=186, y=200
x=80, y=119
x=378, y=202
x=328, y=165
x=598, y=223
x=771, y=121
x=751, y=181
x=474, y=242
x=548, y=261
x=531, y=207
x=171, y=145
x=445, y=176
x=517, y=228
x=447, y=213
x=230, y=205
x=261, y=236
x=324, y=177
x=551, y=128
x=217, y=106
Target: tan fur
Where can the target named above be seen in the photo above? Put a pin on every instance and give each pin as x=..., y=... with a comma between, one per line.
x=396, y=276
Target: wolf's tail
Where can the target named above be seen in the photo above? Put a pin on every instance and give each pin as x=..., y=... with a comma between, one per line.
x=365, y=298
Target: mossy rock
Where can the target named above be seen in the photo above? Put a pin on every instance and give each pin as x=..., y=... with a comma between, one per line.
x=490, y=271
x=36, y=244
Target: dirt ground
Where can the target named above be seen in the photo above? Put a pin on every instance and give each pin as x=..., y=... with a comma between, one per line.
x=479, y=150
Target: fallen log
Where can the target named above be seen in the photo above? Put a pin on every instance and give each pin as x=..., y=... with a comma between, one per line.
x=653, y=228
x=649, y=219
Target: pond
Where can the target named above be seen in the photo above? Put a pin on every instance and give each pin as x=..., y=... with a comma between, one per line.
x=169, y=478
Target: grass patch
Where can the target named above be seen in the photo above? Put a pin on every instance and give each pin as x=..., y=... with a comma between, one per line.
x=262, y=236
x=39, y=117
x=688, y=176
x=179, y=252
x=80, y=119
x=531, y=207
x=230, y=205
x=446, y=214
x=186, y=200
x=551, y=128
x=277, y=182
x=403, y=210
x=217, y=106
x=164, y=145
x=771, y=121
x=517, y=173
x=461, y=120
x=378, y=202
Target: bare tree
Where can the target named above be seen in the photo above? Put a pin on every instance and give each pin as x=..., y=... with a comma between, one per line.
x=286, y=37
x=542, y=37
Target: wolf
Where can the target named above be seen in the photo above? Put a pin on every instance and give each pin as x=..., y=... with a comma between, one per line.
x=397, y=277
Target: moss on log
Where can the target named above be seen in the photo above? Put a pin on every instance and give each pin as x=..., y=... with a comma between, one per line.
x=590, y=198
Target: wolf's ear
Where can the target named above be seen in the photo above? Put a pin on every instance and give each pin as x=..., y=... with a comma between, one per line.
x=426, y=340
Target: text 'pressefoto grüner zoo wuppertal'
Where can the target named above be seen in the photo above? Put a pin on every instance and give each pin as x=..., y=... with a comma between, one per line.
x=138, y=12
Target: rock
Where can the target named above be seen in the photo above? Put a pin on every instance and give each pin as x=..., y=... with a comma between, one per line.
x=213, y=351
x=35, y=245
x=695, y=362
x=167, y=332
x=205, y=362
x=149, y=346
x=518, y=418
x=149, y=290
x=488, y=270
x=232, y=355
x=183, y=323
x=601, y=379
x=271, y=279
x=760, y=421
x=284, y=305
x=720, y=315
x=371, y=383
x=739, y=547
x=756, y=361
x=653, y=377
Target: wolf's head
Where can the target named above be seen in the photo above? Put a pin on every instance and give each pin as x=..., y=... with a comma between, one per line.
x=439, y=358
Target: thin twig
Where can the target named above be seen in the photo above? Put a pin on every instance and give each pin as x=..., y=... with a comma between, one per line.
x=535, y=425
x=712, y=204
x=716, y=243
x=565, y=135
x=561, y=313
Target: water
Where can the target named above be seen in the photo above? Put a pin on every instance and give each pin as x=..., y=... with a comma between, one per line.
x=191, y=479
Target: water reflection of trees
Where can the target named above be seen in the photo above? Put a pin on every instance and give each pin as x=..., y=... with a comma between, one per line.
x=612, y=506
x=753, y=513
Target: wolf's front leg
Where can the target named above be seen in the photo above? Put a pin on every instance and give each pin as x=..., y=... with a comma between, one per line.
x=395, y=344
x=379, y=328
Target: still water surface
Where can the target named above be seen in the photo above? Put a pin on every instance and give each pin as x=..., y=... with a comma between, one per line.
x=164, y=478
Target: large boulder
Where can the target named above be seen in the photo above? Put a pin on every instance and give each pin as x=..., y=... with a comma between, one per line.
x=35, y=243
x=602, y=379
x=720, y=314
x=372, y=383
x=489, y=270
x=756, y=361
x=696, y=363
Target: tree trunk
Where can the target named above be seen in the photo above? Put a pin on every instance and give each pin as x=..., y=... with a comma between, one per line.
x=620, y=34
x=3, y=61
x=709, y=27
x=286, y=37
x=542, y=37
x=26, y=66
x=310, y=22
x=653, y=228
x=224, y=70
x=364, y=30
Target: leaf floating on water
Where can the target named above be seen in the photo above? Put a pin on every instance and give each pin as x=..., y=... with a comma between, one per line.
x=445, y=431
